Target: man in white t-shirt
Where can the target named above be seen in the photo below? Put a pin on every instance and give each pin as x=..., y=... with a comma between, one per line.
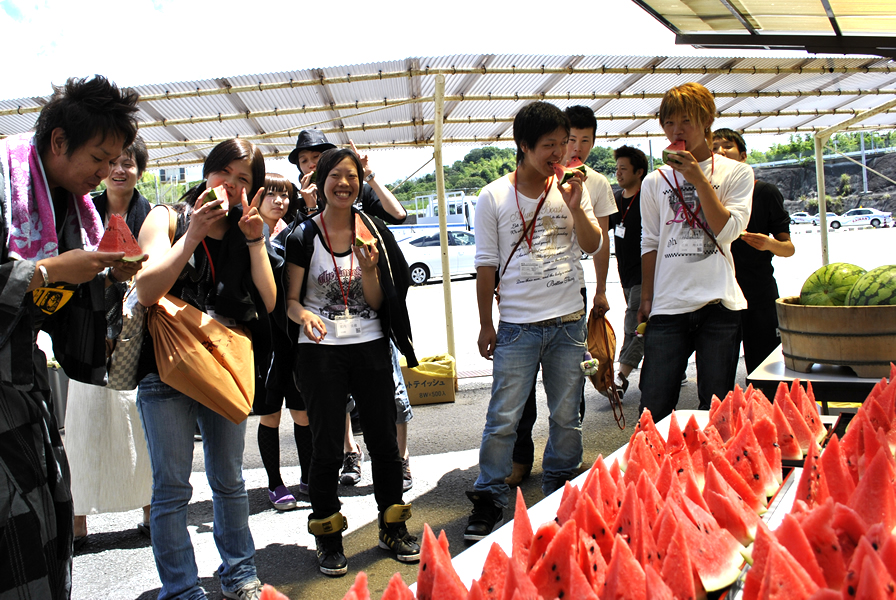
x=691, y=211
x=531, y=232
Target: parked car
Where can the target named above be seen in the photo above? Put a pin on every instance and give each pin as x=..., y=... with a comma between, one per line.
x=424, y=256
x=800, y=217
x=833, y=220
x=866, y=216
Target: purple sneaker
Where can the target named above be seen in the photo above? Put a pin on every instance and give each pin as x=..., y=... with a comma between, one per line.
x=282, y=498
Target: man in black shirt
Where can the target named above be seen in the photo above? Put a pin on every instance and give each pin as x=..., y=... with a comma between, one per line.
x=753, y=257
x=631, y=167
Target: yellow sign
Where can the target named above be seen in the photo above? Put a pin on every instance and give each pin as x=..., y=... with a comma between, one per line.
x=51, y=299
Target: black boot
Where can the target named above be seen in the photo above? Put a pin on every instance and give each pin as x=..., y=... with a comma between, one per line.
x=485, y=518
x=328, y=535
x=394, y=535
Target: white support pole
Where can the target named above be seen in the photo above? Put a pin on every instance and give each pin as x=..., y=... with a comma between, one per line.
x=443, y=209
x=822, y=200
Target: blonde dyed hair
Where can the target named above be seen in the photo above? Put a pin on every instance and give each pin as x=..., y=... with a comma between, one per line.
x=693, y=100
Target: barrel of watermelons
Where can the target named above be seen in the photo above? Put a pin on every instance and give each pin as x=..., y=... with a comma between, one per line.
x=862, y=338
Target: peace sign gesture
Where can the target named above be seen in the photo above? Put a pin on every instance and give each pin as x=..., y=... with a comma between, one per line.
x=251, y=223
x=365, y=162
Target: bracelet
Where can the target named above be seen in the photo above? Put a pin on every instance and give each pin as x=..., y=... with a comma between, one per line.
x=370, y=177
x=255, y=242
x=43, y=273
x=110, y=276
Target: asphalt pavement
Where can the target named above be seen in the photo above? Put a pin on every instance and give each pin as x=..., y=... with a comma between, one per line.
x=444, y=439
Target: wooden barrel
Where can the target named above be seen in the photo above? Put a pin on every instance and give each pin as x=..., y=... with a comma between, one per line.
x=862, y=338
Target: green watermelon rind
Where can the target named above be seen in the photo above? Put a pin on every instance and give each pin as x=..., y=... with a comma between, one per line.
x=877, y=287
x=830, y=285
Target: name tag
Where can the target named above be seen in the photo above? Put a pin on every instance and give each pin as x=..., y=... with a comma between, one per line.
x=691, y=245
x=347, y=326
x=531, y=267
x=620, y=231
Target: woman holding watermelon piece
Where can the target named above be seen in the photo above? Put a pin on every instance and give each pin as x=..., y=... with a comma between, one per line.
x=691, y=210
x=192, y=268
x=103, y=435
x=347, y=302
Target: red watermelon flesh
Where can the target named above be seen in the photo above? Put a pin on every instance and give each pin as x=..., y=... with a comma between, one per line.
x=816, y=525
x=715, y=553
x=522, y=530
x=431, y=555
x=448, y=585
x=564, y=174
x=654, y=439
x=722, y=420
x=812, y=487
x=672, y=149
x=880, y=421
x=646, y=551
x=871, y=585
x=118, y=238
x=790, y=447
x=875, y=496
x=567, y=503
x=625, y=577
x=665, y=477
x=866, y=557
x=691, y=435
x=540, y=541
x=888, y=554
x=874, y=440
x=517, y=586
x=756, y=502
x=359, y=588
x=804, y=436
x=494, y=573
x=767, y=436
x=641, y=459
x=759, y=407
x=606, y=503
x=592, y=523
x=850, y=529
x=615, y=471
x=693, y=493
x=363, y=237
x=758, y=558
x=592, y=561
x=475, y=592
x=728, y=517
x=746, y=456
x=678, y=570
x=838, y=479
x=397, y=589
x=269, y=593
x=552, y=575
x=784, y=578
x=579, y=587
x=628, y=521
x=650, y=499
x=656, y=589
x=853, y=445
x=809, y=410
x=790, y=535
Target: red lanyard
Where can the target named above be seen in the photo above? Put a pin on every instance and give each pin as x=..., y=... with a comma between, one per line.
x=351, y=266
x=690, y=215
x=629, y=207
x=211, y=265
x=541, y=200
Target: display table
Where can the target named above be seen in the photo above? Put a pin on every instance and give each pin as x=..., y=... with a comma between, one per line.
x=829, y=383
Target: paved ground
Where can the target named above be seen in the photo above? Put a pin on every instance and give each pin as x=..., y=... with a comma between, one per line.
x=444, y=438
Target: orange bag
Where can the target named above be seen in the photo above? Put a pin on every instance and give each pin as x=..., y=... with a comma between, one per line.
x=203, y=359
x=602, y=346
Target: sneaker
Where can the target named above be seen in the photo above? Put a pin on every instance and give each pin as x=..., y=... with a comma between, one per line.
x=621, y=384
x=250, y=591
x=330, y=556
x=485, y=518
x=519, y=472
x=396, y=538
x=282, y=498
x=407, y=480
x=303, y=488
x=351, y=468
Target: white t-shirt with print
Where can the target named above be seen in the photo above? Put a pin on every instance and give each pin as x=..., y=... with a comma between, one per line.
x=526, y=299
x=690, y=270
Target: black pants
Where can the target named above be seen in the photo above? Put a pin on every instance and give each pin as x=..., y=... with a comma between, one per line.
x=759, y=332
x=327, y=374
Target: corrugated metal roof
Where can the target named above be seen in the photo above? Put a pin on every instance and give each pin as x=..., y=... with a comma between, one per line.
x=390, y=104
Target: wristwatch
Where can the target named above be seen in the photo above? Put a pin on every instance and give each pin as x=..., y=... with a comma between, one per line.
x=370, y=177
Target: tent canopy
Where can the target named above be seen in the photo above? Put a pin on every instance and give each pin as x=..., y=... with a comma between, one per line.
x=392, y=104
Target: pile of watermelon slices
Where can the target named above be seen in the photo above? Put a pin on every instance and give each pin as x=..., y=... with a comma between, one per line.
x=675, y=517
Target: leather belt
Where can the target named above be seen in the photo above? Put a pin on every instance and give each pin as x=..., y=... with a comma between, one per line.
x=575, y=316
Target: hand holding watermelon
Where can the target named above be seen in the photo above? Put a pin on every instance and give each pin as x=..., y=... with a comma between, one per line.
x=251, y=223
x=569, y=183
x=79, y=266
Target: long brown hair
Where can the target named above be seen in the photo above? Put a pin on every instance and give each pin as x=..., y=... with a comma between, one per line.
x=222, y=155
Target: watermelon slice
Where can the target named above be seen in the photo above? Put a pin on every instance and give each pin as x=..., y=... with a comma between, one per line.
x=672, y=149
x=397, y=589
x=625, y=577
x=448, y=584
x=656, y=588
x=784, y=578
x=552, y=575
x=522, y=530
x=517, y=584
x=474, y=594
x=850, y=528
x=494, y=573
x=812, y=487
x=678, y=570
x=790, y=535
x=567, y=503
x=363, y=237
x=435, y=561
x=269, y=593
x=804, y=436
x=540, y=542
x=839, y=481
x=592, y=524
x=219, y=193
x=118, y=238
x=767, y=436
x=790, y=447
x=875, y=496
x=816, y=525
x=748, y=460
x=714, y=551
x=722, y=418
x=564, y=174
x=592, y=561
x=873, y=580
x=359, y=587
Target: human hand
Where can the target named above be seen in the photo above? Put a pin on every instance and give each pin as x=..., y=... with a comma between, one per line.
x=205, y=214
x=757, y=240
x=685, y=163
x=251, y=223
x=312, y=326
x=601, y=305
x=124, y=270
x=572, y=191
x=308, y=190
x=365, y=160
x=79, y=266
x=644, y=310
x=487, y=341
x=367, y=255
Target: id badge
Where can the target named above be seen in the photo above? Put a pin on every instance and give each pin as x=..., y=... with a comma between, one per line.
x=225, y=321
x=692, y=245
x=532, y=267
x=347, y=326
x=620, y=231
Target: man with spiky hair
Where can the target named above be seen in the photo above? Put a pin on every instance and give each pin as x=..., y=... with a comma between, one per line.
x=49, y=268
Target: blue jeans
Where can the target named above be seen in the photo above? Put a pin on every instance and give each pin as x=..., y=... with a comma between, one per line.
x=169, y=421
x=711, y=331
x=519, y=351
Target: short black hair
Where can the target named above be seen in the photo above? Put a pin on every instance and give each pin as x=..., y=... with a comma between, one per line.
x=582, y=117
x=534, y=121
x=731, y=136
x=278, y=183
x=221, y=156
x=137, y=151
x=328, y=161
x=84, y=108
x=637, y=158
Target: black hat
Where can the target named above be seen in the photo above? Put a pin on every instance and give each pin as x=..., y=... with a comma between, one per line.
x=309, y=139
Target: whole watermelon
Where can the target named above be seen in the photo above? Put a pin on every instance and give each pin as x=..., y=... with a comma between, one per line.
x=829, y=285
x=877, y=287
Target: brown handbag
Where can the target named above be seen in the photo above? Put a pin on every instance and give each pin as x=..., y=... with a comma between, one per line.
x=203, y=359
x=602, y=346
